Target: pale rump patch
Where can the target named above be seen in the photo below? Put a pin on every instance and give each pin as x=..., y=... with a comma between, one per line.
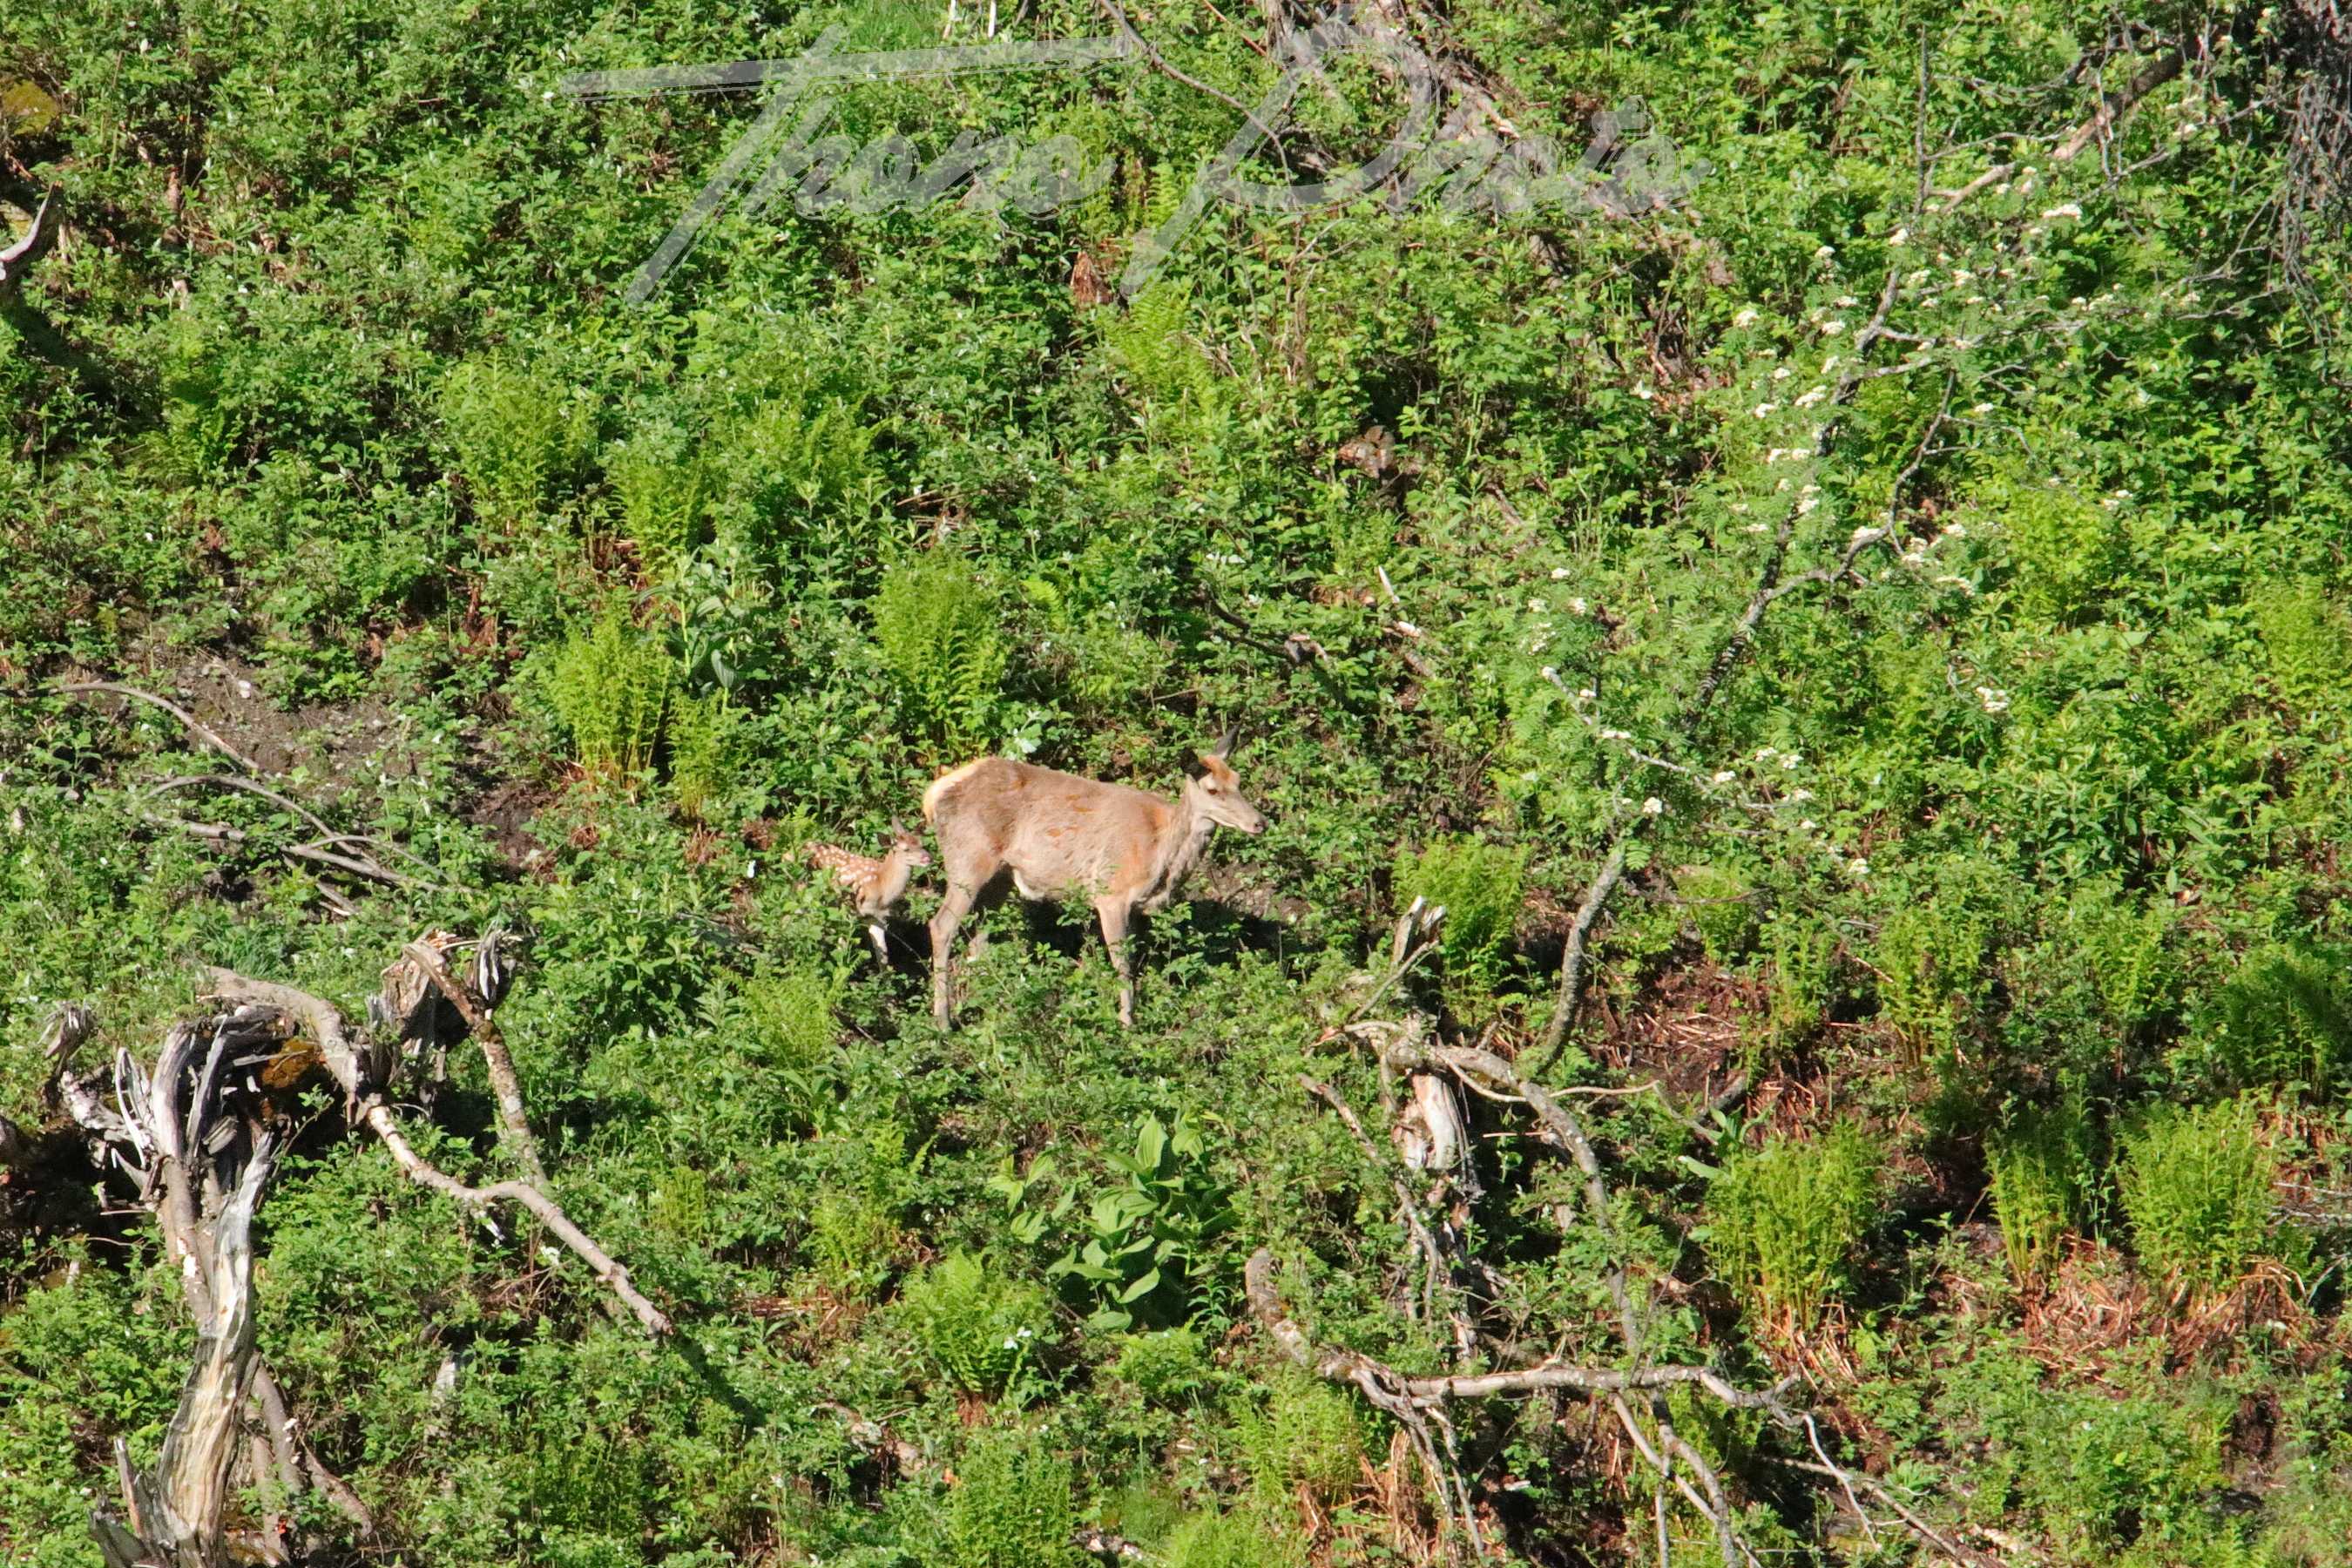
x=946, y=782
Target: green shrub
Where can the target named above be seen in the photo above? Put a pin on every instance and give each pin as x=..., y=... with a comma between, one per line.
x=1479, y=884
x=1802, y=952
x=2195, y=1185
x=612, y=686
x=2064, y=546
x=1722, y=908
x=1150, y=1255
x=2307, y=639
x=939, y=635
x=516, y=436
x=1787, y=1219
x=2124, y=949
x=2283, y=1018
x=1307, y=1437
x=793, y=458
x=1011, y=1507
x=701, y=752
x=664, y=491
x=1168, y=1367
x=1931, y=954
x=854, y=1239
x=975, y=1321
x=789, y=1012
x=2042, y=1171
x=1151, y=341
x=1233, y=1540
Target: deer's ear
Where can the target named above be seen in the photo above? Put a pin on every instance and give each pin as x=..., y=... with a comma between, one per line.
x=1225, y=746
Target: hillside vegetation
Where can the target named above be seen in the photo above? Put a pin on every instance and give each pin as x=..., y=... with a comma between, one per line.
x=1854, y=635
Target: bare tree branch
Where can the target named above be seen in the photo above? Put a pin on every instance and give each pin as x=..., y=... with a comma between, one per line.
x=343, y=1062
x=196, y=727
x=503, y=1078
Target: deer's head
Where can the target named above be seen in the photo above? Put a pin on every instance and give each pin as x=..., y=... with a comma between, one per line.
x=907, y=845
x=1215, y=791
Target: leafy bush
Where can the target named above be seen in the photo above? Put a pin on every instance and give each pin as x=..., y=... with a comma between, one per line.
x=1011, y=1508
x=701, y=752
x=1930, y=955
x=2283, y=1017
x=787, y=1011
x=1150, y=1255
x=939, y=634
x=612, y=686
x=1479, y=884
x=980, y=1325
x=2124, y=949
x=664, y=491
x=1306, y=1438
x=1167, y=1367
x=2040, y=1165
x=2195, y=1185
x=793, y=462
x=854, y=1239
x=1786, y=1219
x=1802, y=953
x=1151, y=341
x=1240, y=1539
x=516, y=435
x=2307, y=639
x=1722, y=907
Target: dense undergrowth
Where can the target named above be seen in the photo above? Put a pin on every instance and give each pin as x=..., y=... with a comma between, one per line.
x=2005, y=860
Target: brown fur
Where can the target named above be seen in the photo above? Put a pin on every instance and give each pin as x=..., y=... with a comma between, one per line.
x=1056, y=835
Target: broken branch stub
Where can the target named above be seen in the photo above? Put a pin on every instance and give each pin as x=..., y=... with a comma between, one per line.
x=202, y=1144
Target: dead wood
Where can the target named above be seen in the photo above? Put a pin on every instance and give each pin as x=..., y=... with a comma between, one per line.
x=198, y=1134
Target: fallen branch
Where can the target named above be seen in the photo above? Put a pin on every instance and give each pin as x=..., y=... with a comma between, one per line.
x=202, y=1150
x=503, y=1078
x=345, y=1064
x=1419, y=1402
x=196, y=727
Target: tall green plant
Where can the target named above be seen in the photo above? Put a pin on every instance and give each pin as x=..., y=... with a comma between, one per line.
x=1787, y=1219
x=2195, y=1185
x=1478, y=884
x=937, y=626
x=1013, y=1507
x=2040, y=1165
x=610, y=684
x=516, y=434
x=978, y=1324
x=2283, y=1018
x=701, y=752
x=1148, y=1254
x=665, y=490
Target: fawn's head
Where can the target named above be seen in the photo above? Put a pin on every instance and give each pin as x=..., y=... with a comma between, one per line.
x=908, y=845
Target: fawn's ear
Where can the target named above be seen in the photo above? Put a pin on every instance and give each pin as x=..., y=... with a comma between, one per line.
x=1225, y=746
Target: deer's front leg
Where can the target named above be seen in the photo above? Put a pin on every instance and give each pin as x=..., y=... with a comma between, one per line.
x=1114, y=913
x=953, y=907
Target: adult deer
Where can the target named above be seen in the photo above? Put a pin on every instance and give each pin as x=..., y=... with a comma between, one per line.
x=1057, y=834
